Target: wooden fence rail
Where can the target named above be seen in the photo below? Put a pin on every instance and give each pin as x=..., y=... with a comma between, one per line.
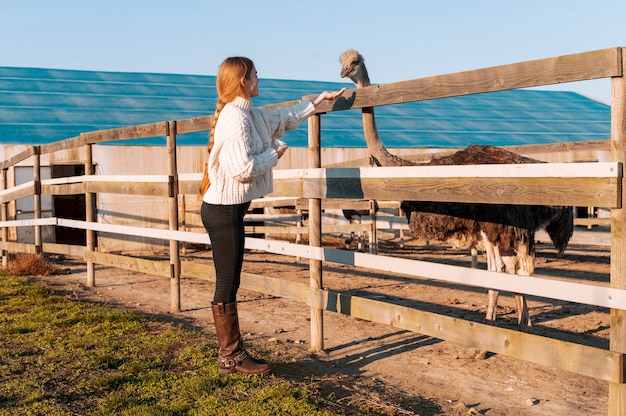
x=588, y=184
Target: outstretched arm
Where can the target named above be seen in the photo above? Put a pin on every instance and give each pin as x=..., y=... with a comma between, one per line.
x=332, y=96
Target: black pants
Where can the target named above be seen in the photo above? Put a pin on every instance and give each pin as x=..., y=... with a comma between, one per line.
x=224, y=223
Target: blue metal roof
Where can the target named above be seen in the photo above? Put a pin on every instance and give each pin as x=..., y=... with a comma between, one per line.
x=44, y=105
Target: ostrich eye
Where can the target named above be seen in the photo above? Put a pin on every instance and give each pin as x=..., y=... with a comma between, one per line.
x=356, y=61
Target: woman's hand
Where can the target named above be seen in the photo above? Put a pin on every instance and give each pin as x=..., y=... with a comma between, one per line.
x=332, y=96
x=280, y=146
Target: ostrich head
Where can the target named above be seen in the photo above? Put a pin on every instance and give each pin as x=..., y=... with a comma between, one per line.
x=353, y=67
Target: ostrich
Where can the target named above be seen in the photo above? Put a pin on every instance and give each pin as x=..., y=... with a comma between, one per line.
x=505, y=232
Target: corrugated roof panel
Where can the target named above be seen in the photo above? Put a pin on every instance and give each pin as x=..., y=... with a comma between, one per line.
x=43, y=105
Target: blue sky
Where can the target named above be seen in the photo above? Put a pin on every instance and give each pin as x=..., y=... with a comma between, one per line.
x=400, y=40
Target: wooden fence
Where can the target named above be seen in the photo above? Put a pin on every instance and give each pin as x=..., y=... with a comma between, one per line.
x=581, y=184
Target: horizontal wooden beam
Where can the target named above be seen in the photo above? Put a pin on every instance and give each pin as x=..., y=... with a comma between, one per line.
x=125, y=133
x=128, y=188
x=69, y=143
x=195, y=124
x=20, y=191
x=14, y=160
x=580, y=184
x=556, y=70
x=13, y=247
x=603, y=192
x=147, y=266
x=352, y=204
x=30, y=222
x=580, y=359
x=64, y=249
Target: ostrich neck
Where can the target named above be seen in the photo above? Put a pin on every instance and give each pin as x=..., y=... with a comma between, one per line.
x=375, y=146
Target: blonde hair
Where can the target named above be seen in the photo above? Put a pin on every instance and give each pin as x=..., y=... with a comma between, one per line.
x=229, y=84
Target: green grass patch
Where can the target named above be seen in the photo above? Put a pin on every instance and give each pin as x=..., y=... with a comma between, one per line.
x=62, y=357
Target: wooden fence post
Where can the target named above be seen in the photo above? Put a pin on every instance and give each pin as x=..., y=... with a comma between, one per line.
x=315, y=234
x=617, y=336
x=373, y=248
x=37, y=196
x=173, y=216
x=4, y=215
x=90, y=211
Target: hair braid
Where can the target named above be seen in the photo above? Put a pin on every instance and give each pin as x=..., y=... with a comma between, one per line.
x=229, y=86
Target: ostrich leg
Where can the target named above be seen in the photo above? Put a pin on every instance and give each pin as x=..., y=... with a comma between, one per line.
x=494, y=264
x=523, y=318
x=521, y=265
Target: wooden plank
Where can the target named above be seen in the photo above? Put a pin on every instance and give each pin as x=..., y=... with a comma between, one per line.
x=582, y=184
x=271, y=217
x=292, y=188
x=62, y=189
x=249, y=281
x=14, y=160
x=580, y=359
x=604, y=192
x=197, y=270
x=275, y=229
x=531, y=285
x=556, y=70
x=189, y=187
x=326, y=229
x=495, y=171
x=14, y=247
x=64, y=249
x=354, y=204
x=128, y=188
x=125, y=178
x=126, y=133
x=29, y=222
x=70, y=143
x=269, y=202
x=147, y=266
x=194, y=124
x=163, y=234
x=288, y=183
x=20, y=191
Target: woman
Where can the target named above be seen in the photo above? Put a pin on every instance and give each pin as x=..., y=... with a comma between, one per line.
x=242, y=152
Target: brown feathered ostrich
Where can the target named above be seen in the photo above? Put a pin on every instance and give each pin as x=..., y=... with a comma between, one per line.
x=505, y=232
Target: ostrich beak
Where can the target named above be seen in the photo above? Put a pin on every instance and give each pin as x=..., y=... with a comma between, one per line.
x=344, y=72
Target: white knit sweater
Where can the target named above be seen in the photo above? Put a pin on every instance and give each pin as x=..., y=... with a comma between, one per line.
x=242, y=158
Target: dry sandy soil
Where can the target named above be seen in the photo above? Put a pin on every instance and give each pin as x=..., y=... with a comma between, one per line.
x=402, y=372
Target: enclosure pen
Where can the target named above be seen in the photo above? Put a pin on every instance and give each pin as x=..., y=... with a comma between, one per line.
x=581, y=184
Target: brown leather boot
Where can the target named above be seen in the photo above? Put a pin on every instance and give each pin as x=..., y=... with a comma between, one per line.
x=232, y=357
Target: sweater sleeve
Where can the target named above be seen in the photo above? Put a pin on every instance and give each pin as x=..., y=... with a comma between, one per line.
x=236, y=156
x=282, y=119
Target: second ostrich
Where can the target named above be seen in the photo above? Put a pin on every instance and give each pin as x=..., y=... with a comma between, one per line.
x=505, y=232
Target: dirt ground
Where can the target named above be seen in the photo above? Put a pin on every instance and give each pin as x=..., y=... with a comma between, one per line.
x=402, y=372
